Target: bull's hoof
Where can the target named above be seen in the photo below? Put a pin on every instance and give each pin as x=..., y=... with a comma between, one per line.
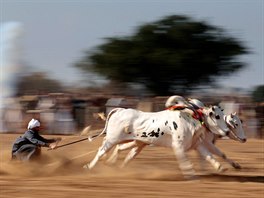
x=86, y=166
x=236, y=166
x=222, y=169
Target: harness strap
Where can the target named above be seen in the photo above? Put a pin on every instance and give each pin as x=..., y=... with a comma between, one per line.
x=197, y=113
x=176, y=107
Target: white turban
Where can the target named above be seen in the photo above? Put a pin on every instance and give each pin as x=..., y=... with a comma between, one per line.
x=33, y=123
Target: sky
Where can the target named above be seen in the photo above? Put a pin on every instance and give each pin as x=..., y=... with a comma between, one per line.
x=56, y=33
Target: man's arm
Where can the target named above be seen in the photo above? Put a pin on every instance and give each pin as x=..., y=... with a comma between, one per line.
x=37, y=139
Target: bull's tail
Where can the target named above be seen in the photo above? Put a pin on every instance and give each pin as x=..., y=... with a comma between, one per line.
x=91, y=138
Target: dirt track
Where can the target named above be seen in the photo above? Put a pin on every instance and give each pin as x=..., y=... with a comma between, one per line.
x=154, y=173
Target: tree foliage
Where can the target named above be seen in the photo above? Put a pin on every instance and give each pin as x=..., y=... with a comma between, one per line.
x=258, y=94
x=174, y=54
x=37, y=83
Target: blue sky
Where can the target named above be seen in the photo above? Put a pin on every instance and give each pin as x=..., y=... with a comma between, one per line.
x=57, y=32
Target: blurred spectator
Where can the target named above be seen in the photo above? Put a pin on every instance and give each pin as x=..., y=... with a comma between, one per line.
x=64, y=122
x=46, y=105
x=260, y=119
x=12, y=116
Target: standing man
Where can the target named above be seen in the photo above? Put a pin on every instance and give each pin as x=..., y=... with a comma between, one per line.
x=28, y=146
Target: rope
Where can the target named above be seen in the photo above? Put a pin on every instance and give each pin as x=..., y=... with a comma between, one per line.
x=68, y=143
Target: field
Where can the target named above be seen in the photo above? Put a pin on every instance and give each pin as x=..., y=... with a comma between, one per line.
x=154, y=173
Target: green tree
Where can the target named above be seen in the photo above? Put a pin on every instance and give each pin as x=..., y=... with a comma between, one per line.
x=175, y=54
x=258, y=94
x=37, y=83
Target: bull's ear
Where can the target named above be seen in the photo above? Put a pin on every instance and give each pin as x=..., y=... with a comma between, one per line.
x=232, y=116
x=235, y=113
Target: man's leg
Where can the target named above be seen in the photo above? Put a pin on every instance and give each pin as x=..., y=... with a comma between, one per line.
x=26, y=152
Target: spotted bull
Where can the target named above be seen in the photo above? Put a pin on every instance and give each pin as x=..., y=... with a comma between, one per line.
x=206, y=147
x=169, y=128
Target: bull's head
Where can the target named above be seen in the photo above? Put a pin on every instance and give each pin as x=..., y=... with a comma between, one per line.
x=236, y=129
x=214, y=120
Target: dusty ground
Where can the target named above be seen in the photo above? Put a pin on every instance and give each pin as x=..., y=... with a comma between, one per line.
x=154, y=173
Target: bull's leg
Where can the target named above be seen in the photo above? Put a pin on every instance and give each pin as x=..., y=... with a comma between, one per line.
x=232, y=163
x=202, y=161
x=214, y=150
x=120, y=147
x=184, y=164
x=106, y=146
x=208, y=157
x=133, y=153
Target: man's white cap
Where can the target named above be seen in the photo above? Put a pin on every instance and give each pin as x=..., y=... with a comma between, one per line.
x=33, y=123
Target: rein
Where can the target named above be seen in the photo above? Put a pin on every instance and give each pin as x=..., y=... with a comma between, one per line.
x=176, y=107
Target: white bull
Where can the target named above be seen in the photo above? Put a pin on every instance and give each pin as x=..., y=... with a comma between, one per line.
x=236, y=130
x=175, y=129
x=206, y=147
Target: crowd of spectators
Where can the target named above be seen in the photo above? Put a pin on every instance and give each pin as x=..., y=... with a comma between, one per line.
x=67, y=113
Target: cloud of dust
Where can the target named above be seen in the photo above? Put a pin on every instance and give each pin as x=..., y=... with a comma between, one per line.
x=59, y=165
